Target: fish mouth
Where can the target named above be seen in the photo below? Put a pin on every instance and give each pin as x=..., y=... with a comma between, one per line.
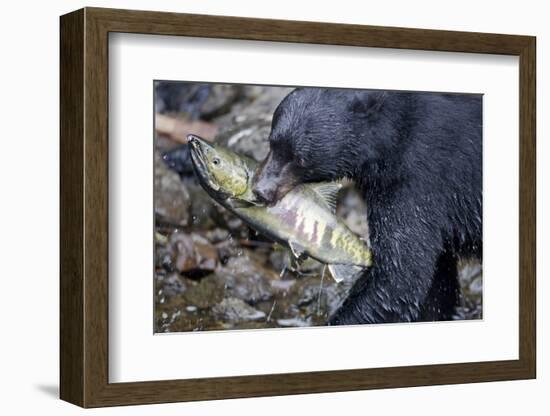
x=198, y=157
x=197, y=144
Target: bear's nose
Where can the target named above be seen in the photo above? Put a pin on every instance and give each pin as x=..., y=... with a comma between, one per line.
x=264, y=193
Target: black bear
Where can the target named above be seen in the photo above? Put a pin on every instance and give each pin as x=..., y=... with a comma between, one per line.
x=416, y=157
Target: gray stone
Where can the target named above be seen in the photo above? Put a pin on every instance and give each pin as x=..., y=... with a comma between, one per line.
x=172, y=285
x=235, y=310
x=247, y=279
x=172, y=201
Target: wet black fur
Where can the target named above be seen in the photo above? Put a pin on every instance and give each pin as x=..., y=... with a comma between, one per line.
x=417, y=159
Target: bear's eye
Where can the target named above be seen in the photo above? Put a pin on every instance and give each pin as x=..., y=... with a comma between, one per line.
x=301, y=161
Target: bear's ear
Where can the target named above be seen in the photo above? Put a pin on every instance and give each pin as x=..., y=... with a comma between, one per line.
x=366, y=103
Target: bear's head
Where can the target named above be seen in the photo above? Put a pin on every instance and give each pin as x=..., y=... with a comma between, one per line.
x=318, y=134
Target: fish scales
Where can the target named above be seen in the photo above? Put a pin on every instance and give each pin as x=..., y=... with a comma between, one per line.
x=298, y=224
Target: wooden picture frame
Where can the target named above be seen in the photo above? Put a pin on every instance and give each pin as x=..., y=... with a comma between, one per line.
x=84, y=207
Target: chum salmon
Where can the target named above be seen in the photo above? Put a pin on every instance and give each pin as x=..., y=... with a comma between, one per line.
x=303, y=220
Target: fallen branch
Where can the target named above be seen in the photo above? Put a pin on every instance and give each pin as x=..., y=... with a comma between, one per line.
x=177, y=129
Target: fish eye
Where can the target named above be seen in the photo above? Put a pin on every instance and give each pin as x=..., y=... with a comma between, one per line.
x=216, y=161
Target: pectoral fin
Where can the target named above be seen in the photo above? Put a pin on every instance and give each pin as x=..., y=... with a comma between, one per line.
x=297, y=249
x=239, y=203
x=341, y=272
x=296, y=263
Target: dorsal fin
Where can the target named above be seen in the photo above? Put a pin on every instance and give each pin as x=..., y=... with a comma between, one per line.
x=298, y=250
x=328, y=191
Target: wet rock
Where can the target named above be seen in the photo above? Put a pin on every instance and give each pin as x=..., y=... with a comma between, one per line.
x=217, y=235
x=294, y=322
x=317, y=297
x=172, y=285
x=204, y=213
x=194, y=254
x=177, y=315
x=246, y=128
x=334, y=295
x=468, y=270
x=247, y=279
x=205, y=293
x=220, y=99
x=172, y=202
x=279, y=258
x=237, y=244
x=164, y=144
x=353, y=210
x=202, y=101
x=233, y=309
x=179, y=160
x=476, y=286
x=256, y=103
x=165, y=319
x=471, y=296
x=249, y=139
x=282, y=285
x=226, y=250
x=310, y=294
x=164, y=253
x=233, y=223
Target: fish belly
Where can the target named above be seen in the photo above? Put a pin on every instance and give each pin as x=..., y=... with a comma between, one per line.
x=321, y=234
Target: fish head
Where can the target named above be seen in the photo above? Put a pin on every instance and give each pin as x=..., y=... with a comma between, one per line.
x=222, y=172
